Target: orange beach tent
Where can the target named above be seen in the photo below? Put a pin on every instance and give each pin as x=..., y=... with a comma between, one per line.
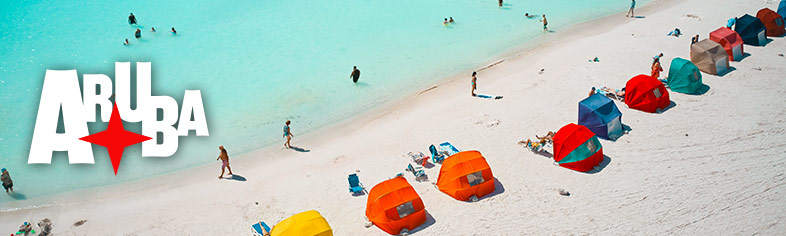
x=730, y=40
x=465, y=174
x=394, y=205
x=309, y=223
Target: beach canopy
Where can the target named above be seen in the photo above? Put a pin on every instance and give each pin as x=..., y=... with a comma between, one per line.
x=772, y=21
x=684, y=77
x=782, y=9
x=601, y=116
x=577, y=148
x=709, y=56
x=647, y=94
x=394, y=205
x=730, y=40
x=309, y=223
x=751, y=30
x=466, y=174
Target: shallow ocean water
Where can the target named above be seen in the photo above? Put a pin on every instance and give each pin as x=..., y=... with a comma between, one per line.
x=257, y=64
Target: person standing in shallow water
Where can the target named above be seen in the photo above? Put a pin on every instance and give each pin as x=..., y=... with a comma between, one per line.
x=224, y=161
x=545, y=23
x=131, y=19
x=138, y=33
x=355, y=74
x=8, y=184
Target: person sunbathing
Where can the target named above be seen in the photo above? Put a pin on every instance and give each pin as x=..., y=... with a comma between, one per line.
x=616, y=93
x=532, y=146
x=549, y=137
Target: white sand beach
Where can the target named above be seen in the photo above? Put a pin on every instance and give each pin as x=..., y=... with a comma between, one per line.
x=714, y=164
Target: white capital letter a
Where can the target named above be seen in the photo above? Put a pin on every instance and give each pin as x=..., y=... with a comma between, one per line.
x=61, y=89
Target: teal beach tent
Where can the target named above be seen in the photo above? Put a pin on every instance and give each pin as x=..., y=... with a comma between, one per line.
x=684, y=77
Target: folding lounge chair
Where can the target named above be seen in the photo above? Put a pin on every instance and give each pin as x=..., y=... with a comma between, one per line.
x=436, y=156
x=448, y=148
x=260, y=229
x=418, y=158
x=355, y=187
x=419, y=173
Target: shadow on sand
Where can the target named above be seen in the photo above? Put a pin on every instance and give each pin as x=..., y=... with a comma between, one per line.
x=704, y=89
x=671, y=105
x=601, y=166
x=639, y=17
x=498, y=188
x=429, y=222
x=299, y=149
x=731, y=68
x=237, y=177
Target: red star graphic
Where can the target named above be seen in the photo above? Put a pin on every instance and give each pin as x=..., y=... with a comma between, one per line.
x=115, y=138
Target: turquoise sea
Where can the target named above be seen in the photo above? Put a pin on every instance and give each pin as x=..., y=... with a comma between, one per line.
x=257, y=63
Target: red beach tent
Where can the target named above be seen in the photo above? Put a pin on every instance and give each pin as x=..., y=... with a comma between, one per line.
x=730, y=40
x=646, y=94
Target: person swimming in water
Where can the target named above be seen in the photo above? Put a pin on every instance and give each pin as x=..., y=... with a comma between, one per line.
x=451, y=20
x=528, y=15
x=174, y=31
x=126, y=42
x=138, y=33
x=355, y=74
x=445, y=23
x=131, y=19
x=152, y=29
x=500, y=3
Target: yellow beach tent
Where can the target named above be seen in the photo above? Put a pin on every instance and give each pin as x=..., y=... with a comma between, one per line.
x=309, y=223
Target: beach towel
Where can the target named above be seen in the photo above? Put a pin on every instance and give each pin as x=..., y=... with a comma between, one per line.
x=449, y=148
x=489, y=97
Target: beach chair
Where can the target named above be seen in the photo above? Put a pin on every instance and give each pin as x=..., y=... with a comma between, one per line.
x=418, y=158
x=448, y=148
x=436, y=156
x=355, y=187
x=420, y=174
x=260, y=229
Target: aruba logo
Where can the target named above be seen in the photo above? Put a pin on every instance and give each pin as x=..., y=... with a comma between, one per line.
x=61, y=91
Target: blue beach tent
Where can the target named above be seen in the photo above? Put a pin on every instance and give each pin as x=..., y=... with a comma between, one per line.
x=782, y=9
x=752, y=30
x=601, y=116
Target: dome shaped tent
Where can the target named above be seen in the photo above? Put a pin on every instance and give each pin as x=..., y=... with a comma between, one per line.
x=710, y=57
x=730, y=40
x=601, y=116
x=577, y=148
x=772, y=21
x=309, y=223
x=466, y=174
x=393, y=205
x=751, y=30
x=646, y=94
x=684, y=77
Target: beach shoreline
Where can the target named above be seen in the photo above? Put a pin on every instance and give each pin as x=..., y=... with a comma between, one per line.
x=403, y=113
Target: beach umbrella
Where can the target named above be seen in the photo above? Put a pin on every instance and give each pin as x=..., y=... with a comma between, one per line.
x=772, y=21
x=730, y=40
x=577, y=148
x=393, y=206
x=601, y=116
x=646, y=94
x=751, y=30
x=684, y=77
x=309, y=223
x=464, y=175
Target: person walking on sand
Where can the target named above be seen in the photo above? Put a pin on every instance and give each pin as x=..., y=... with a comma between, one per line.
x=288, y=134
x=545, y=23
x=355, y=75
x=474, y=82
x=8, y=184
x=224, y=161
x=630, y=11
